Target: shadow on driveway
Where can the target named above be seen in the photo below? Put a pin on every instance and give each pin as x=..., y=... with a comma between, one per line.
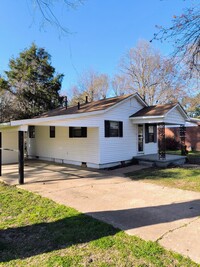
x=128, y=219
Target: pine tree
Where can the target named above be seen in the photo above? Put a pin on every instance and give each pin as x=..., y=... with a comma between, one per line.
x=33, y=82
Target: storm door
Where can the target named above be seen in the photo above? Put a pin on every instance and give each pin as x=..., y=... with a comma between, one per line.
x=140, y=138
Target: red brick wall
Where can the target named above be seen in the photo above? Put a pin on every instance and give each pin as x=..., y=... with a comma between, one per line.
x=192, y=136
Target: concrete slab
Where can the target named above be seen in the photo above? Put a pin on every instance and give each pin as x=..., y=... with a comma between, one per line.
x=169, y=216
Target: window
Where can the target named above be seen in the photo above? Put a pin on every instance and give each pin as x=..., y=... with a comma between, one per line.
x=77, y=132
x=31, y=131
x=113, y=129
x=150, y=133
x=52, y=131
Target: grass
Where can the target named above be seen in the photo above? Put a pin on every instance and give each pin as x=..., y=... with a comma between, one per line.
x=36, y=231
x=191, y=154
x=182, y=178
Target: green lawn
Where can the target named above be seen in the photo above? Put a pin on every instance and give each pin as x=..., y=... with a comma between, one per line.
x=36, y=231
x=183, y=178
x=191, y=154
x=193, y=157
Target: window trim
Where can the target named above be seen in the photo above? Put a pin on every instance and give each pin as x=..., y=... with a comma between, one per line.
x=107, y=128
x=73, y=135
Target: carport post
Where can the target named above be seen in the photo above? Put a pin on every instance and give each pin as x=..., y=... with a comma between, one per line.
x=21, y=156
x=0, y=154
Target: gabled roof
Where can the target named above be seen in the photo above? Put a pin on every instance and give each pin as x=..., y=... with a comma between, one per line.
x=99, y=105
x=86, y=109
x=161, y=114
x=157, y=110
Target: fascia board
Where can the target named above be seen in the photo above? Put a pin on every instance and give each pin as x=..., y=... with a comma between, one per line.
x=54, y=118
x=4, y=125
x=150, y=121
x=146, y=117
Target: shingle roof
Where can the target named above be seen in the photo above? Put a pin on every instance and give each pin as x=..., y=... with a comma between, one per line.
x=86, y=107
x=158, y=110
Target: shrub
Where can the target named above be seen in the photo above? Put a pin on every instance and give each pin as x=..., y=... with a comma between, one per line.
x=172, y=143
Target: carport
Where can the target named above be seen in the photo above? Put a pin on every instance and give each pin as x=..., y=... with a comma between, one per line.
x=12, y=147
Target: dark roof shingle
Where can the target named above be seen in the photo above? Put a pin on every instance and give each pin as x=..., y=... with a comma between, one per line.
x=158, y=110
x=86, y=107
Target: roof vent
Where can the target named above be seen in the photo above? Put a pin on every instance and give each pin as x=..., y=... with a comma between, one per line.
x=65, y=102
x=86, y=99
x=78, y=105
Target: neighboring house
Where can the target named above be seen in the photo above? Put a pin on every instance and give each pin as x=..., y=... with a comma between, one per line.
x=192, y=136
x=98, y=134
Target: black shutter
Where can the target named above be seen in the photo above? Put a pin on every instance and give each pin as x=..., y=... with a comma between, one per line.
x=120, y=128
x=146, y=133
x=107, y=128
x=155, y=133
x=71, y=132
x=52, y=131
x=83, y=131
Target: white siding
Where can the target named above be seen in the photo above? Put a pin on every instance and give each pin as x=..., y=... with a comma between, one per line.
x=175, y=117
x=150, y=148
x=95, y=150
x=65, y=149
x=115, y=149
x=9, y=140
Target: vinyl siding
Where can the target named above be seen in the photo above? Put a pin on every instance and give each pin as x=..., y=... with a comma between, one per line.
x=150, y=148
x=115, y=149
x=9, y=140
x=65, y=149
x=175, y=116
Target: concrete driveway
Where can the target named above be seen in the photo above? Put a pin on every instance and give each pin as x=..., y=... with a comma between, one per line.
x=169, y=216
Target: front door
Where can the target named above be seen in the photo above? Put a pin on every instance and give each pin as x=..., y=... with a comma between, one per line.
x=140, y=138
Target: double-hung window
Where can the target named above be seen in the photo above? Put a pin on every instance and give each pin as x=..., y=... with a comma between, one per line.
x=113, y=128
x=77, y=132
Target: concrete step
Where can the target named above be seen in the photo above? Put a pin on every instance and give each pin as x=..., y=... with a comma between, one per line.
x=146, y=163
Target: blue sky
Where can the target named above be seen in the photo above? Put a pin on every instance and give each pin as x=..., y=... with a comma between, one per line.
x=101, y=32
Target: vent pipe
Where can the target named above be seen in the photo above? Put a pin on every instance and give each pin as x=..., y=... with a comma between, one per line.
x=78, y=105
x=65, y=102
x=86, y=99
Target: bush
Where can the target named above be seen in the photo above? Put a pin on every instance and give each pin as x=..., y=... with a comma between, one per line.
x=172, y=143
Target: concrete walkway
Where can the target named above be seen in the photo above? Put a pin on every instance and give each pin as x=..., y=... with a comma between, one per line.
x=169, y=216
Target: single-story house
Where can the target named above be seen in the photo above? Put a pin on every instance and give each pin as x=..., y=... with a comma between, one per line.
x=96, y=134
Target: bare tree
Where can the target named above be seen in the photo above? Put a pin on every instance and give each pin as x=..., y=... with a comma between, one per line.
x=120, y=85
x=154, y=77
x=92, y=84
x=7, y=105
x=47, y=11
x=185, y=32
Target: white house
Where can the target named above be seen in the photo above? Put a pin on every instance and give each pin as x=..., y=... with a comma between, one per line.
x=98, y=134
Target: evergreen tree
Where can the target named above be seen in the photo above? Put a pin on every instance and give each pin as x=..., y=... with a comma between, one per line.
x=33, y=82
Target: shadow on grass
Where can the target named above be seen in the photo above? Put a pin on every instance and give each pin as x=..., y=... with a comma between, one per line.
x=31, y=240
x=157, y=173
